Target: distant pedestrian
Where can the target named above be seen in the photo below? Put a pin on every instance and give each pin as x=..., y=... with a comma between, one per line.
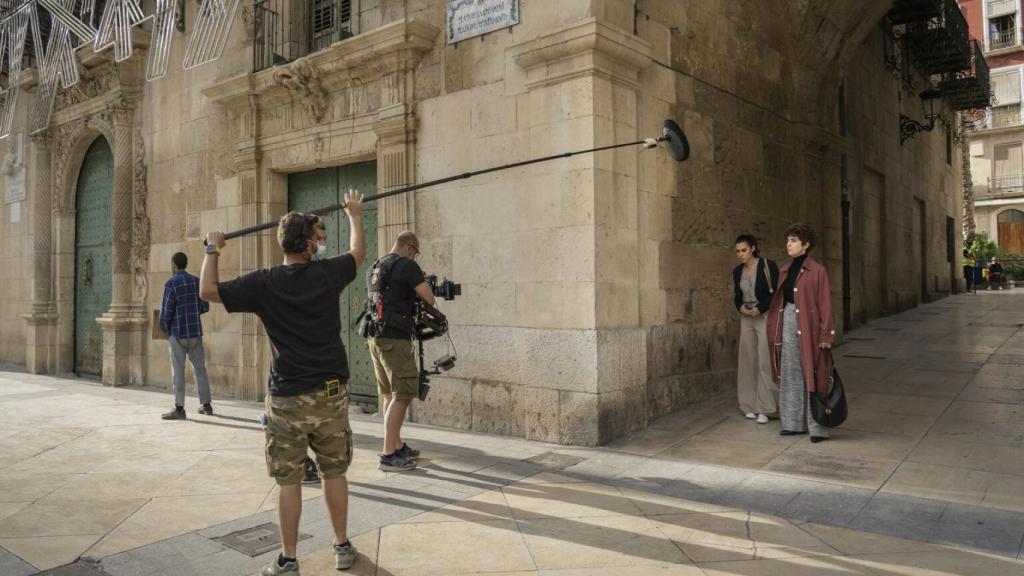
x=995, y=274
x=800, y=330
x=754, y=283
x=969, y=263
x=179, y=319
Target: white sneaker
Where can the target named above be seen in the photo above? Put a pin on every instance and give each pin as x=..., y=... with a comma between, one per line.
x=750, y=415
x=762, y=419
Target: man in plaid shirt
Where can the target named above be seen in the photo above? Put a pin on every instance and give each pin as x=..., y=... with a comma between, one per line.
x=179, y=319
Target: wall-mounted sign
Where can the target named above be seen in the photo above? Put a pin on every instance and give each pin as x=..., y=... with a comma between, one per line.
x=469, y=18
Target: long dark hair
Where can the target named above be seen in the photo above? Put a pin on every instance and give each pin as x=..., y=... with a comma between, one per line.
x=749, y=240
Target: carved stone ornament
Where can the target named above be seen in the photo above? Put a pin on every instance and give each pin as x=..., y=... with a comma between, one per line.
x=63, y=138
x=140, y=220
x=94, y=82
x=302, y=80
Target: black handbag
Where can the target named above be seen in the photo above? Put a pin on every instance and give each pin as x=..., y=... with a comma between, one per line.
x=830, y=409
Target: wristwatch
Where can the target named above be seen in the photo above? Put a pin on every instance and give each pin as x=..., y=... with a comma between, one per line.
x=212, y=249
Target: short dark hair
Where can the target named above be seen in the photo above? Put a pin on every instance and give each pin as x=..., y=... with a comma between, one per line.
x=749, y=240
x=180, y=260
x=294, y=229
x=803, y=232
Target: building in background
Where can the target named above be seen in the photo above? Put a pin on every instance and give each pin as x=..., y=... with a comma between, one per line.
x=997, y=142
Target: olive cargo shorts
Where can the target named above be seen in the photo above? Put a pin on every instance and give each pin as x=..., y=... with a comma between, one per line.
x=395, y=366
x=312, y=419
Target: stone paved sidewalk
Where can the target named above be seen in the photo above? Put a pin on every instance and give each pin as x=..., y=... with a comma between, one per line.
x=931, y=457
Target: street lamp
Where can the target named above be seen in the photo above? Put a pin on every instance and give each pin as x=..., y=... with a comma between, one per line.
x=931, y=104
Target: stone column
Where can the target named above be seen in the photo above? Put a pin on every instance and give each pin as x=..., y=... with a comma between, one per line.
x=40, y=352
x=251, y=376
x=122, y=323
x=252, y=362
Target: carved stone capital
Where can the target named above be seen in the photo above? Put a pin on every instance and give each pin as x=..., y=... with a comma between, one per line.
x=395, y=125
x=41, y=140
x=586, y=48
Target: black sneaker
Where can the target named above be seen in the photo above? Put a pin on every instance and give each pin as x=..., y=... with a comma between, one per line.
x=408, y=453
x=206, y=409
x=176, y=414
x=395, y=463
x=311, y=476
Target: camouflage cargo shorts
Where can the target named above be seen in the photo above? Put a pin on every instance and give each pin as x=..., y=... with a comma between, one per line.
x=317, y=419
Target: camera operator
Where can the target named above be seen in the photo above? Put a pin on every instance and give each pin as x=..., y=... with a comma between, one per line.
x=394, y=283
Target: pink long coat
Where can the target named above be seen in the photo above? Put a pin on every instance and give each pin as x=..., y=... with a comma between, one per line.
x=812, y=298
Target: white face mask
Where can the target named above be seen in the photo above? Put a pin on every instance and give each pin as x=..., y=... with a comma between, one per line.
x=321, y=250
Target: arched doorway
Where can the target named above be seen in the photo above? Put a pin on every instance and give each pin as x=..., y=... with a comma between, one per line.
x=93, y=284
x=1011, y=231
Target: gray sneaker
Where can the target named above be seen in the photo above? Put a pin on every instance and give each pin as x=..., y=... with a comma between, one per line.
x=408, y=453
x=395, y=463
x=344, y=555
x=275, y=569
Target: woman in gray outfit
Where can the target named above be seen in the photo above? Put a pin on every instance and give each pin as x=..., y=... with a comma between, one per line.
x=754, y=283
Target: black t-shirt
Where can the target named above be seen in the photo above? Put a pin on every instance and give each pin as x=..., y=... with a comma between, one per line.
x=299, y=306
x=406, y=275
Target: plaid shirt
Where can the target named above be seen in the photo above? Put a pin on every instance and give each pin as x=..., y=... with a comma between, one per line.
x=179, y=315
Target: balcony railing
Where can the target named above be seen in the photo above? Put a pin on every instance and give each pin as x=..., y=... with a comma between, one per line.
x=969, y=89
x=1006, y=184
x=286, y=30
x=1003, y=39
x=935, y=31
x=1004, y=117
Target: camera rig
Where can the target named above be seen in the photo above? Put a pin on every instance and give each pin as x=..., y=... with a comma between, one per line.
x=430, y=324
x=446, y=289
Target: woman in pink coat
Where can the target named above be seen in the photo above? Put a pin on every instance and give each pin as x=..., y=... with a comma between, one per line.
x=799, y=332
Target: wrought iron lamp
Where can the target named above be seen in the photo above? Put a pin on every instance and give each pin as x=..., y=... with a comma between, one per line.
x=931, y=103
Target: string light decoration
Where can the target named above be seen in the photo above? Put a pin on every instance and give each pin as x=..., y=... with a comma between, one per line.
x=75, y=24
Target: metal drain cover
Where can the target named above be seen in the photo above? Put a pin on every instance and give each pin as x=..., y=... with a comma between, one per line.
x=256, y=540
x=555, y=460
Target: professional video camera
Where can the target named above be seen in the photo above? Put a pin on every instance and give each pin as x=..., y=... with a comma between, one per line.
x=431, y=323
x=446, y=290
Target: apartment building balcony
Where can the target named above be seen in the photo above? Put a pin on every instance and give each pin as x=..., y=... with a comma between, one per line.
x=969, y=89
x=1004, y=40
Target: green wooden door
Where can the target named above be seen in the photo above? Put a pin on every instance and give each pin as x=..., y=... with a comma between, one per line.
x=93, y=280
x=320, y=188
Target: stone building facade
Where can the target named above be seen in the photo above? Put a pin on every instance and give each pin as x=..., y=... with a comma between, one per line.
x=596, y=289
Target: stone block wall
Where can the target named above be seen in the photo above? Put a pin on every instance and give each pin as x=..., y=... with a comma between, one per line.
x=596, y=288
